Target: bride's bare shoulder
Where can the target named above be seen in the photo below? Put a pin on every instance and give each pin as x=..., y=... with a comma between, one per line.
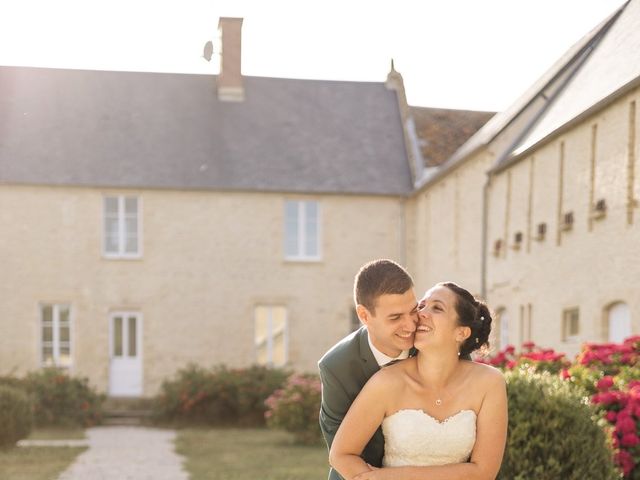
x=393, y=375
x=486, y=374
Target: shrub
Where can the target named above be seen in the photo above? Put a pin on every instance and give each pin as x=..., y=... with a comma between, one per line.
x=16, y=415
x=62, y=400
x=218, y=396
x=295, y=408
x=254, y=386
x=552, y=432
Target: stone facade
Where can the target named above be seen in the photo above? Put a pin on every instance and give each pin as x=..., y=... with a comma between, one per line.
x=208, y=260
x=530, y=279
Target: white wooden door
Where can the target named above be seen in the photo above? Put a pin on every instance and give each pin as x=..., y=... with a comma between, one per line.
x=125, y=371
x=619, y=323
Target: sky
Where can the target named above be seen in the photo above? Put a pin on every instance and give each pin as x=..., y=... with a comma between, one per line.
x=461, y=54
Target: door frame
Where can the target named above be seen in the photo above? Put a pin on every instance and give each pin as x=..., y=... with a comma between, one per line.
x=139, y=333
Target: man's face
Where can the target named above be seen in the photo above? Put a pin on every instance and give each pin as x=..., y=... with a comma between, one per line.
x=393, y=323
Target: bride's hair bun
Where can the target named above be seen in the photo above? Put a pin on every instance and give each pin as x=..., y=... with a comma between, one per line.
x=472, y=313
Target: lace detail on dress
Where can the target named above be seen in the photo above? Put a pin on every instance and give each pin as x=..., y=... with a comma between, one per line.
x=413, y=437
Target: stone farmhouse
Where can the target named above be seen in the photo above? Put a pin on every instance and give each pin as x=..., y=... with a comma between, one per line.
x=151, y=220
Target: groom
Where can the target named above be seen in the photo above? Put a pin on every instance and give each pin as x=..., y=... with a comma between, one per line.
x=386, y=305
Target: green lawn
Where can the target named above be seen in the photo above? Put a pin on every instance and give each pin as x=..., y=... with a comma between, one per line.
x=36, y=463
x=53, y=433
x=40, y=463
x=234, y=454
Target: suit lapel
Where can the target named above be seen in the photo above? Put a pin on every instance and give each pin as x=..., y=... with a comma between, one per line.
x=369, y=364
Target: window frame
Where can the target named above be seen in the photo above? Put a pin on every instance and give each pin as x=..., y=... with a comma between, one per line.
x=121, y=219
x=55, y=334
x=301, y=255
x=566, y=325
x=269, y=337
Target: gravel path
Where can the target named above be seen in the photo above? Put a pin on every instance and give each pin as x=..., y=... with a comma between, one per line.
x=127, y=453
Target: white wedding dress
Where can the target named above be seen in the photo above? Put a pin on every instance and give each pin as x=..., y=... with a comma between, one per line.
x=414, y=438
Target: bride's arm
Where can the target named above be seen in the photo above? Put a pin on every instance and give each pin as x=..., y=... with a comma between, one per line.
x=358, y=426
x=486, y=457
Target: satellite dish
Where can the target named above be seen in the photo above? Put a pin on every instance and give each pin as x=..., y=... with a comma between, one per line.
x=208, y=51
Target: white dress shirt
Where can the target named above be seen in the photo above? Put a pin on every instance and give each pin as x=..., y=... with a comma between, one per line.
x=383, y=359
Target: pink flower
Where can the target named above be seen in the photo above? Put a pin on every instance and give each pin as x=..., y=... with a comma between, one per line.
x=630, y=440
x=565, y=374
x=625, y=460
x=605, y=383
x=511, y=364
x=528, y=345
x=611, y=416
x=604, y=398
x=625, y=424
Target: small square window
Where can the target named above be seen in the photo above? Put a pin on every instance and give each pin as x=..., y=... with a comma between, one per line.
x=570, y=325
x=542, y=231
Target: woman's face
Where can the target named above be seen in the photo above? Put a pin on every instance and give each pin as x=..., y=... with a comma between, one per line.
x=438, y=320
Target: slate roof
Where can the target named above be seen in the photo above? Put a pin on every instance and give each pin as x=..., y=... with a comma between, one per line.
x=441, y=131
x=499, y=122
x=162, y=130
x=613, y=64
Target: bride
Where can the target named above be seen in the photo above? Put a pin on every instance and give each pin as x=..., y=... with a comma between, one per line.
x=443, y=417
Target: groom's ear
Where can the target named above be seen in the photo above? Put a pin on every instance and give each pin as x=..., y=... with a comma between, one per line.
x=363, y=314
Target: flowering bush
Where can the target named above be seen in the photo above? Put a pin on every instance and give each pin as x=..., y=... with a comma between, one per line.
x=16, y=415
x=295, y=408
x=608, y=374
x=611, y=374
x=532, y=357
x=218, y=396
x=60, y=399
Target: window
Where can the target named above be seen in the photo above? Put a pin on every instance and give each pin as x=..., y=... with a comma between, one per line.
x=55, y=328
x=271, y=335
x=302, y=230
x=570, y=325
x=121, y=227
x=618, y=322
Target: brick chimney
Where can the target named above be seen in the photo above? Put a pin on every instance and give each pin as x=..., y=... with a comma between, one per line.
x=230, y=86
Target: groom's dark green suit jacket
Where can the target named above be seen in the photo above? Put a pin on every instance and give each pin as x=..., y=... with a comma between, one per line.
x=344, y=370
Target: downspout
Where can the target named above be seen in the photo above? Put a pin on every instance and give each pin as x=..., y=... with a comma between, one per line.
x=485, y=235
x=403, y=232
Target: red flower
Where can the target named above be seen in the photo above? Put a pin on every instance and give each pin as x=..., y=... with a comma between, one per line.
x=625, y=460
x=630, y=440
x=604, y=398
x=611, y=416
x=605, y=383
x=625, y=424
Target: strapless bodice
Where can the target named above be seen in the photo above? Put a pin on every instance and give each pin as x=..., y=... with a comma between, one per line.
x=413, y=437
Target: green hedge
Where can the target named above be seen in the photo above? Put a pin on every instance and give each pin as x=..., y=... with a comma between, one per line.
x=552, y=432
x=16, y=415
x=217, y=396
